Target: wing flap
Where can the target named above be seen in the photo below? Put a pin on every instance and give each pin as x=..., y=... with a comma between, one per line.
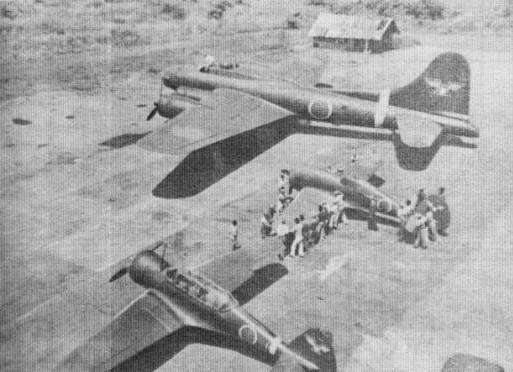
x=224, y=114
x=142, y=323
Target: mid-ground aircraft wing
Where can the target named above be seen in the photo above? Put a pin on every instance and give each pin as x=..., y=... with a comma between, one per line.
x=363, y=171
x=142, y=323
x=225, y=113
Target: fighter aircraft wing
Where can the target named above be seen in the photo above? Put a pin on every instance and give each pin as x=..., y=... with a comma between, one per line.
x=229, y=271
x=249, y=271
x=364, y=172
x=225, y=113
x=142, y=323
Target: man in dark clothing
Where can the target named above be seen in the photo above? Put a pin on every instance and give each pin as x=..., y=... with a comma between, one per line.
x=371, y=222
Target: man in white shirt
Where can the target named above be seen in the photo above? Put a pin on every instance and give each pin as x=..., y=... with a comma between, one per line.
x=422, y=233
x=297, y=248
x=431, y=223
x=337, y=209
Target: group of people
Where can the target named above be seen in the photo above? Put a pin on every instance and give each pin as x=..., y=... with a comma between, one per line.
x=303, y=234
x=417, y=219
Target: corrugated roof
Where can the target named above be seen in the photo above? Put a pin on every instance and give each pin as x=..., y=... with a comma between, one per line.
x=351, y=27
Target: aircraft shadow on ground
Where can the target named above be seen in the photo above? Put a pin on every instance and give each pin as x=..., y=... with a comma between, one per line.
x=123, y=140
x=262, y=279
x=204, y=167
x=409, y=158
x=163, y=350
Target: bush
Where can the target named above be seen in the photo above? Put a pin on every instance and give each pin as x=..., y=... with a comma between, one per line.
x=5, y=12
x=342, y=8
x=125, y=38
x=51, y=28
x=174, y=10
x=219, y=9
x=425, y=9
x=292, y=23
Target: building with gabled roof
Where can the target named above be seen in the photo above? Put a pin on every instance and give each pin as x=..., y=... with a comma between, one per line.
x=362, y=34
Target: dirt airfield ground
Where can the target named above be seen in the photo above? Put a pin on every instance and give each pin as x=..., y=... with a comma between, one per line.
x=71, y=207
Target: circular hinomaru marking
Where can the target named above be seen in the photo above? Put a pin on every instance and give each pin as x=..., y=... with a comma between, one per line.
x=320, y=109
x=384, y=206
x=248, y=334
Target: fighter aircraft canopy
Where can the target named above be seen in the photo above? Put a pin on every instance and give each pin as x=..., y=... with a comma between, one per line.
x=201, y=289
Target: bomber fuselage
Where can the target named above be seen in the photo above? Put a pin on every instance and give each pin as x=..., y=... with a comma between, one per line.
x=314, y=104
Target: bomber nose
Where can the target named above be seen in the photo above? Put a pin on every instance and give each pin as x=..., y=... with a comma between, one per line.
x=170, y=79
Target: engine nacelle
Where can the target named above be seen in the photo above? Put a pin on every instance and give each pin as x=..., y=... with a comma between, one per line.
x=174, y=104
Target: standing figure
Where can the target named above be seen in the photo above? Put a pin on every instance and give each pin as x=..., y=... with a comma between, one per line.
x=421, y=239
x=371, y=222
x=404, y=213
x=283, y=233
x=266, y=223
x=234, y=235
x=431, y=223
x=297, y=248
x=421, y=196
x=284, y=181
x=324, y=218
x=337, y=210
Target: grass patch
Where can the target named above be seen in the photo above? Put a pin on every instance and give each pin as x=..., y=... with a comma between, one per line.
x=6, y=12
x=174, y=10
x=125, y=38
x=51, y=28
x=219, y=8
x=425, y=9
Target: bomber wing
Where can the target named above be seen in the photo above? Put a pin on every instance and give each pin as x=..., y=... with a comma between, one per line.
x=225, y=113
x=142, y=323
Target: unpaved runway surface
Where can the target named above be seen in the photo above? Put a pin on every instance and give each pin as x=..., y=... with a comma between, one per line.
x=71, y=207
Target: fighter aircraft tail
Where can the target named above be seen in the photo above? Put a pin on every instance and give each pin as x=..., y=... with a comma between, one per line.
x=443, y=88
x=314, y=345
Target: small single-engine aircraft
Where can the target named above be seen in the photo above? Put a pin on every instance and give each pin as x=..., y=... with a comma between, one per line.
x=222, y=119
x=360, y=186
x=355, y=184
x=203, y=299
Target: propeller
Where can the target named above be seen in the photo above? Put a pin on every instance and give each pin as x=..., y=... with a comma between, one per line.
x=153, y=112
x=125, y=264
x=156, y=104
x=118, y=274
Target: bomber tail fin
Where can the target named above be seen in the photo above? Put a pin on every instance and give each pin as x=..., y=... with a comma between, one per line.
x=314, y=345
x=443, y=88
